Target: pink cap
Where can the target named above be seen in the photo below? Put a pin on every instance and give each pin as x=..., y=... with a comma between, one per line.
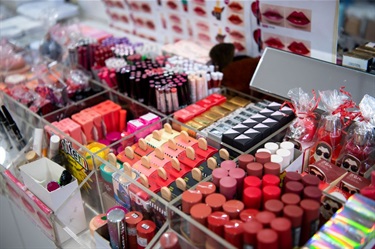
x=228, y=164
x=238, y=174
x=217, y=174
x=228, y=187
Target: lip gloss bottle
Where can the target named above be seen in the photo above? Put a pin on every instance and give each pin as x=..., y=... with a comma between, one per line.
x=327, y=146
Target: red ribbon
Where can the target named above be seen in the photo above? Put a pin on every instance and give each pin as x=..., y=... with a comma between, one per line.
x=342, y=109
x=308, y=114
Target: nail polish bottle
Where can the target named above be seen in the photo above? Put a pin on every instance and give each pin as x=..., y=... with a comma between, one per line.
x=327, y=145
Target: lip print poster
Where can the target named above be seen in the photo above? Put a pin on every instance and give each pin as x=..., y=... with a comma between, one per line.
x=305, y=27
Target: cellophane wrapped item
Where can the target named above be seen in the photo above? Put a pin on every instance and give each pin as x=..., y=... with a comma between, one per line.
x=358, y=152
x=338, y=106
x=302, y=129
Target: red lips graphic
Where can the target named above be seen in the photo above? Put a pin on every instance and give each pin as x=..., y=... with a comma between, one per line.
x=172, y=5
x=203, y=37
x=199, y=11
x=134, y=6
x=202, y=26
x=145, y=7
x=175, y=18
x=234, y=6
x=235, y=19
x=273, y=16
x=177, y=29
x=201, y=2
x=150, y=25
x=236, y=35
x=298, y=19
x=239, y=46
x=298, y=48
x=274, y=43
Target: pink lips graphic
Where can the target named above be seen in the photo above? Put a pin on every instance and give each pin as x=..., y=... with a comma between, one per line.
x=273, y=16
x=298, y=19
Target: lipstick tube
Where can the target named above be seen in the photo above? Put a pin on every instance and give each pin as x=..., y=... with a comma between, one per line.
x=145, y=232
x=251, y=228
x=233, y=232
x=215, y=201
x=169, y=240
x=252, y=197
x=283, y=227
x=294, y=213
x=233, y=208
x=132, y=219
x=270, y=193
x=249, y=214
x=228, y=187
x=274, y=206
x=255, y=169
x=245, y=159
x=267, y=239
x=199, y=212
x=252, y=181
x=117, y=228
x=189, y=199
x=310, y=221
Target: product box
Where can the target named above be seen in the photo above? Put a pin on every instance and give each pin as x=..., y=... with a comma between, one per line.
x=353, y=183
x=326, y=171
x=65, y=201
x=358, y=60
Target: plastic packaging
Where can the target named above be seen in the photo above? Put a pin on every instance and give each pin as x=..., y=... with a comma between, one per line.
x=358, y=152
x=302, y=130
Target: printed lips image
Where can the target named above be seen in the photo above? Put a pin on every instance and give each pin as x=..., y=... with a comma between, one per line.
x=199, y=11
x=202, y=26
x=172, y=5
x=236, y=35
x=235, y=19
x=175, y=19
x=298, y=19
x=239, y=46
x=204, y=37
x=272, y=16
x=235, y=6
x=298, y=48
x=145, y=7
x=274, y=43
x=177, y=29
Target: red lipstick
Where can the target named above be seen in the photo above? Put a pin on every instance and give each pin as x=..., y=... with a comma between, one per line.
x=274, y=43
x=235, y=19
x=298, y=19
x=273, y=16
x=234, y=6
x=298, y=48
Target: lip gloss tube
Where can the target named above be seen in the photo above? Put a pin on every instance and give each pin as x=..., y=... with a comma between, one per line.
x=283, y=227
x=117, y=228
x=294, y=213
x=251, y=228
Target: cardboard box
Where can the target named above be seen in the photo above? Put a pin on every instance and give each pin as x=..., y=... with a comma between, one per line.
x=66, y=202
x=326, y=171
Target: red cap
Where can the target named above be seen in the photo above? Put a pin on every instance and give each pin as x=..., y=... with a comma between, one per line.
x=216, y=222
x=200, y=212
x=270, y=180
x=248, y=214
x=244, y=159
x=290, y=199
x=206, y=188
x=252, y=197
x=310, y=180
x=215, y=201
x=255, y=169
x=294, y=213
x=252, y=181
x=314, y=193
x=146, y=230
x=189, y=199
x=233, y=208
x=275, y=206
x=267, y=239
x=294, y=187
x=169, y=240
x=270, y=193
x=251, y=228
x=272, y=168
x=233, y=232
x=292, y=176
x=263, y=157
x=265, y=217
x=283, y=227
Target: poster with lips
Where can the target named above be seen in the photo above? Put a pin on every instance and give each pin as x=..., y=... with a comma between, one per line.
x=306, y=27
x=119, y=15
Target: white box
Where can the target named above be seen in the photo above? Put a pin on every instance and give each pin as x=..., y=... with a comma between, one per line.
x=36, y=175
